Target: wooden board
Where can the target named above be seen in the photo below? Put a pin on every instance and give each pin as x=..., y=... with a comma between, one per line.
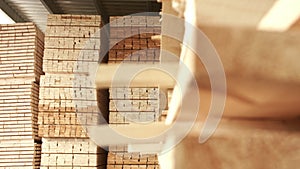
x=66, y=81
x=133, y=167
x=232, y=146
x=68, y=93
x=134, y=21
x=66, y=66
x=147, y=78
x=62, y=152
x=73, y=31
x=17, y=154
x=74, y=20
x=71, y=55
x=71, y=43
x=131, y=158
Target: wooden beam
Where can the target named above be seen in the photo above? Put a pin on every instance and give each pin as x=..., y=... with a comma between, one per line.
x=278, y=18
x=232, y=12
x=116, y=75
x=169, y=44
x=239, y=144
x=260, y=68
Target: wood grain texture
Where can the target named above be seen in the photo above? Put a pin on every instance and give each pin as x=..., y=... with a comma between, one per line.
x=21, y=49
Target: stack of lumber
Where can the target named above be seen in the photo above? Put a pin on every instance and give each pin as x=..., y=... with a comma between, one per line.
x=130, y=43
x=133, y=105
x=130, y=39
x=71, y=153
x=131, y=158
x=119, y=158
x=133, y=167
x=66, y=42
x=21, y=52
x=68, y=97
x=66, y=88
x=59, y=101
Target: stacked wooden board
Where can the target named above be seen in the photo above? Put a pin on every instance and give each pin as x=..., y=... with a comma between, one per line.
x=71, y=153
x=65, y=86
x=132, y=160
x=130, y=41
x=21, y=52
x=68, y=97
x=129, y=105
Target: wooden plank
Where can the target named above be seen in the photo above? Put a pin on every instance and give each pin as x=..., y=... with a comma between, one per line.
x=133, y=93
x=255, y=75
x=148, y=78
x=73, y=31
x=168, y=43
x=230, y=143
x=74, y=20
x=132, y=166
x=68, y=118
x=66, y=81
x=131, y=158
x=231, y=13
x=72, y=43
x=64, y=152
x=67, y=131
x=134, y=105
x=71, y=55
x=68, y=105
x=68, y=93
x=66, y=66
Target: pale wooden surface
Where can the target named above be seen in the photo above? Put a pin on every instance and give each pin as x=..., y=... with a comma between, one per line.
x=261, y=70
x=263, y=84
x=169, y=44
x=115, y=75
x=248, y=14
x=239, y=144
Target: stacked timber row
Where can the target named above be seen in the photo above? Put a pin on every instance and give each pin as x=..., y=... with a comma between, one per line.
x=66, y=64
x=71, y=153
x=68, y=98
x=130, y=41
x=21, y=52
x=129, y=105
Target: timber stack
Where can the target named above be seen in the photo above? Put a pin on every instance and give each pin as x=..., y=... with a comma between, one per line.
x=21, y=56
x=68, y=98
x=131, y=42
